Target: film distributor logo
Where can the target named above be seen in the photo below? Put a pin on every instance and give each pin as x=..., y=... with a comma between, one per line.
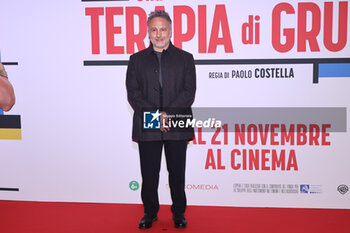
x=343, y=189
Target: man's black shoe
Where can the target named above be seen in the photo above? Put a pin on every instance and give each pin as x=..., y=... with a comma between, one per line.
x=180, y=221
x=147, y=220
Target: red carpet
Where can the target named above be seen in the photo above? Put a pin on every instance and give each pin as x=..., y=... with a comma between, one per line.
x=48, y=217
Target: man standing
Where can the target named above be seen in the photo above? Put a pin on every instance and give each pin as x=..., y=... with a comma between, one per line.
x=161, y=77
x=7, y=95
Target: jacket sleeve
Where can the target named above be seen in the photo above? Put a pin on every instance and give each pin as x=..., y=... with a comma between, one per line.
x=186, y=97
x=133, y=87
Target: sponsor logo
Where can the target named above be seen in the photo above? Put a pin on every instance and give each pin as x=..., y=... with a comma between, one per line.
x=202, y=187
x=304, y=188
x=343, y=189
x=134, y=185
x=310, y=189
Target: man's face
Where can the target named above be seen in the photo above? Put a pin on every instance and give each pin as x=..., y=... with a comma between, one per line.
x=159, y=33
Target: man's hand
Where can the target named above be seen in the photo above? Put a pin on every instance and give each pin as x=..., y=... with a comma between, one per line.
x=164, y=122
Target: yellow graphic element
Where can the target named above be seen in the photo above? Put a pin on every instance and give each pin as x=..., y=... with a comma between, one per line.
x=11, y=134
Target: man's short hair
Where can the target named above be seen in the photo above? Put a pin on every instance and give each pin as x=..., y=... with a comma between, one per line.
x=158, y=13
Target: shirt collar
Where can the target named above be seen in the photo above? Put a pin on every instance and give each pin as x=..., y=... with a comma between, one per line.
x=170, y=48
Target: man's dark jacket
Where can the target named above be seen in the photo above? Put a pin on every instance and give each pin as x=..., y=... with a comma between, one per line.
x=143, y=88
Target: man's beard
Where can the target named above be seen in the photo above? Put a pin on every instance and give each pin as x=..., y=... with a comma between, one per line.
x=160, y=45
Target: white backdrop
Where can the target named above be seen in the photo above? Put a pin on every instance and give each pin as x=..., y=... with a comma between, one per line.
x=76, y=121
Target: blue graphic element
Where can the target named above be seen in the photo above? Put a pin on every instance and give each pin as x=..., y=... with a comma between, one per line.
x=304, y=188
x=327, y=70
x=151, y=120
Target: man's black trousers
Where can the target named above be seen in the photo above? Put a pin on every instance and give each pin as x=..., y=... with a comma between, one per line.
x=150, y=158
